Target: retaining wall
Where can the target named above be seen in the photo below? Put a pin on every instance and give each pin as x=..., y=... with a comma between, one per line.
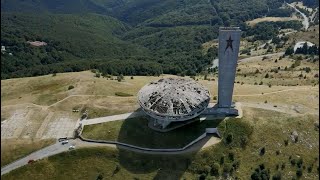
x=208, y=130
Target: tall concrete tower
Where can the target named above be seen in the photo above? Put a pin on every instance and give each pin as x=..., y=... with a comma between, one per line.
x=229, y=42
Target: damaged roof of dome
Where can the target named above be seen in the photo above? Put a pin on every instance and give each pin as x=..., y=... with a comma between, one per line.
x=174, y=97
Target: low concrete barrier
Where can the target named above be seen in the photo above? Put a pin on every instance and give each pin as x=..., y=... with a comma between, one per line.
x=208, y=130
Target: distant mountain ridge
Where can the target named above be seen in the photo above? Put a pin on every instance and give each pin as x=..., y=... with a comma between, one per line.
x=138, y=11
x=52, y=6
x=124, y=10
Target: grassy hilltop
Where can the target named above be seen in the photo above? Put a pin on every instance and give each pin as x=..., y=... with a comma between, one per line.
x=290, y=109
x=260, y=144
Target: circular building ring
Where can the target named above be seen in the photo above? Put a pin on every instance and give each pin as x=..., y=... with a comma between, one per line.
x=173, y=99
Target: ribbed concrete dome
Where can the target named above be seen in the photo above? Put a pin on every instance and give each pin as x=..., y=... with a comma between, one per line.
x=175, y=99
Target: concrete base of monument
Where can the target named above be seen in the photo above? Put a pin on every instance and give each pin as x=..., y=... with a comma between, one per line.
x=213, y=112
x=227, y=112
x=216, y=111
x=160, y=126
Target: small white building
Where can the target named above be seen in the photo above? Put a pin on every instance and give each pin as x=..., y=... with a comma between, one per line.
x=37, y=43
x=3, y=48
x=300, y=44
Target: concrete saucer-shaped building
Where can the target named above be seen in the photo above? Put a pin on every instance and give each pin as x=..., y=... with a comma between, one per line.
x=173, y=100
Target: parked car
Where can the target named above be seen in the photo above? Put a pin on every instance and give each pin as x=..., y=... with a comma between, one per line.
x=64, y=142
x=72, y=147
x=62, y=139
x=31, y=161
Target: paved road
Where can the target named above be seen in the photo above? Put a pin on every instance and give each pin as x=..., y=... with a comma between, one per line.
x=305, y=21
x=42, y=153
x=59, y=148
x=215, y=63
x=112, y=118
x=279, y=35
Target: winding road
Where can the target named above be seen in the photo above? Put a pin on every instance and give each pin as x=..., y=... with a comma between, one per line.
x=42, y=153
x=305, y=21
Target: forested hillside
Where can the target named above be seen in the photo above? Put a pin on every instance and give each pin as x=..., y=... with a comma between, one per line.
x=70, y=39
x=130, y=37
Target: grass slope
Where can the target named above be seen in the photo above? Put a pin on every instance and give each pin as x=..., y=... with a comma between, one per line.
x=135, y=131
x=15, y=149
x=236, y=158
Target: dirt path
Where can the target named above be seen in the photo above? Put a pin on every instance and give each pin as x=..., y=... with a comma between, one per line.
x=259, y=57
x=76, y=95
x=258, y=105
x=85, y=95
x=278, y=108
x=275, y=92
x=262, y=45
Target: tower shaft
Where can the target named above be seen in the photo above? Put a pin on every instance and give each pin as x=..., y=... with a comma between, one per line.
x=229, y=42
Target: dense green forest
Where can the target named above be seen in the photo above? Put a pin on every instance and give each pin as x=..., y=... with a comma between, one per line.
x=305, y=49
x=311, y=3
x=69, y=38
x=140, y=37
x=268, y=30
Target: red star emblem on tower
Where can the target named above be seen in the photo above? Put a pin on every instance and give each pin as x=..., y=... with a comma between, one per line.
x=229, y=44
